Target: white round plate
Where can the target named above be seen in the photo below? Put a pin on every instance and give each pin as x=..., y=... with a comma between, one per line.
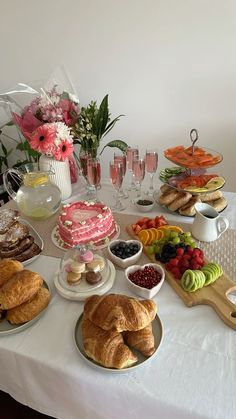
x=7, y=328
x=157, y=330
x=58, y=242
x=75, y=295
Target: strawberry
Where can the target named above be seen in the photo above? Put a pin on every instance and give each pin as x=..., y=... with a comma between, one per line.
x=134, y=226
x=151, y=224
x=179, y=251
x=143, y=221
x=174, y=262
x=160, y=221
x=176, y=272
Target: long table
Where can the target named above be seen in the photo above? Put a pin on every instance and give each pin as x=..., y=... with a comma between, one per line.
x=191, y=376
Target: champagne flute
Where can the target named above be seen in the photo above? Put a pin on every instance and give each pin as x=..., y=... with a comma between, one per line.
x=121, y=158
x=94, y=174
x=116, y=176
x=151, y=160
x=132, y=153
x=139, y=173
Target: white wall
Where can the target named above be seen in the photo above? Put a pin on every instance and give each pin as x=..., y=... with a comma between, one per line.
x=168, y=65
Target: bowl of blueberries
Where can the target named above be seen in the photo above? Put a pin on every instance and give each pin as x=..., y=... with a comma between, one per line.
x=125, y=253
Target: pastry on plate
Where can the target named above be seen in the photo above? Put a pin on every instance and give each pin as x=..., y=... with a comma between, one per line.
x=8, y=268
x=30, y=309
x=21, y=287
x=142, y=340
x=107, y=348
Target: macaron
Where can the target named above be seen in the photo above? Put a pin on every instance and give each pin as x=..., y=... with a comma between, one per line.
x=86, y=257
x=73, y=278
x=96, y=265
x=77, y=267
x=93, y=277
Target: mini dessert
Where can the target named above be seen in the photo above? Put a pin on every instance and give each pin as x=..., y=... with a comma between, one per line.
x=93, y=277
x=97, y=265
x=86, y=257
x=73, y=278
x=85, y=222
x=77, y=267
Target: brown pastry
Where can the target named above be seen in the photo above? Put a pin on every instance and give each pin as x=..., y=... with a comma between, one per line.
x=8, y=268
x=189, y=208
x=19, y=288
x=93, y=277
x=168, y=197
x=165, y=188
x=30, y=309
x=181, y=199
x=119, y=312
x=142, y=340
x=97, y=265
x=13, y=235
x=7, y=218
x=107, y=348
x=211, y=196
x=32, y=251
x=17, y=249
x=218, y=204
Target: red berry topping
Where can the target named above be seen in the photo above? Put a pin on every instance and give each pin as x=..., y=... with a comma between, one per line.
x=148, y=277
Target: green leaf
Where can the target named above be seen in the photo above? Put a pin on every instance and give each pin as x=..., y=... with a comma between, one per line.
x=118, y=144
x=111, y=125
x=102, y=117
x=4, y=149
x=9, y=124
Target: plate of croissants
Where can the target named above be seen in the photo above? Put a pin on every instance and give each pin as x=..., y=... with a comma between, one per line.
x=117, y=333
x=24, y=295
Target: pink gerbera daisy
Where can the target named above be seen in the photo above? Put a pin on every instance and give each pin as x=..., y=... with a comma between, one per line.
x=43, y=138
x=64, y=150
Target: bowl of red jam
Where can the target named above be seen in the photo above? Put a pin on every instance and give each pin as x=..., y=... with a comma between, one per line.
x=145, y=280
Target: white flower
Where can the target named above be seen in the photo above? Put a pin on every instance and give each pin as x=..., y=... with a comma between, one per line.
x=63, y=132
x=73, y=98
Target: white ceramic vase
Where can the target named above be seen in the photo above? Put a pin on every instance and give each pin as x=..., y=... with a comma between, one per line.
x=60, y=174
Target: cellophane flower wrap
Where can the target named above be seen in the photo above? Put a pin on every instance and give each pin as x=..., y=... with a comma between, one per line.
x=45, y=115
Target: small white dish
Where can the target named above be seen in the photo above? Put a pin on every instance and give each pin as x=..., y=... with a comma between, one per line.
x=124, y=263
x=141, y=291
x=142, y=207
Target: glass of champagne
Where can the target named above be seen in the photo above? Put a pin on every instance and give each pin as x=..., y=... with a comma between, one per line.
x=139, y=173
x=131, y=154
x=94, y=174
x=116, y=176
x=151, y=160
x=121, y=158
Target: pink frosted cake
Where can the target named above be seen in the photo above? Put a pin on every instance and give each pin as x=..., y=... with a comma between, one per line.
x=86, y=223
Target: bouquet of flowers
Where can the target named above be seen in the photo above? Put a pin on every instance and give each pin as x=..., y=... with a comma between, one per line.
x=46, y=122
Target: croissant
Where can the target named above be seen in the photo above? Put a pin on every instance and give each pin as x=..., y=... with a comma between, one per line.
x=22, y=286
x=107, y=348
x=8, y=268
x=119, y=312
x=142, y=340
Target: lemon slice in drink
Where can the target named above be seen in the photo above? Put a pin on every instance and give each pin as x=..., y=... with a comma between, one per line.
x=215, y=183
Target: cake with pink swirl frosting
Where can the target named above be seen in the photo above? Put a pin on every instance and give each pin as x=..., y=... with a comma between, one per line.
x=86, y=223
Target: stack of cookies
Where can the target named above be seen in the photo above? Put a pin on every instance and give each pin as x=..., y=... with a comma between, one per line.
x=85, y=266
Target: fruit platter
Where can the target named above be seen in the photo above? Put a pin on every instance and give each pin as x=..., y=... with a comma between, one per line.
x=195, y=279
x=189, y=182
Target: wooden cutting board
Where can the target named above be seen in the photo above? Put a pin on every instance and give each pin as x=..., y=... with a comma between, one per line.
x=214, y=295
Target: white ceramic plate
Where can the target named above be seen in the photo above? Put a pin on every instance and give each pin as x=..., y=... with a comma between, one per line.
x=37, y=239
x=75, y=294
x=157, y=329
x=7, y=328
x=57, y=241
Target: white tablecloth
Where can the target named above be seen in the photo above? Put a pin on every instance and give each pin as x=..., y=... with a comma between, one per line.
x=191, y=376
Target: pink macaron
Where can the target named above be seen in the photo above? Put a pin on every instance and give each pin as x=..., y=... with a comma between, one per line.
x=86, y=257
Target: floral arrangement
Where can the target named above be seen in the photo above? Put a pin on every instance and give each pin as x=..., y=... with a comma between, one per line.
x=92, y=125
x=46, y=123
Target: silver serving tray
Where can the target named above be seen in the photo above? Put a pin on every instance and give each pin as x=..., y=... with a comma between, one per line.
x=157, y=330
x=7, y=328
